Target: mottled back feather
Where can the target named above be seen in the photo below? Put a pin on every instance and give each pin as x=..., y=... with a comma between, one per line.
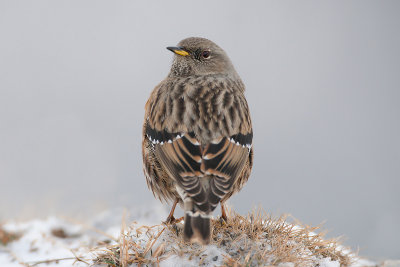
x=200, y=131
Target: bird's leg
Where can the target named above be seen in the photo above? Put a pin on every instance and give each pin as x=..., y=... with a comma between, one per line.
x=223, y=212
x=171, y=218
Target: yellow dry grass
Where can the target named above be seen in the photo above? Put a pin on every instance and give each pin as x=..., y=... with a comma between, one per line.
x=6, y=237
x=256, y=239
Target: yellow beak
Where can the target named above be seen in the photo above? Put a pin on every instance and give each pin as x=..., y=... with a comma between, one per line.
x=178, y=50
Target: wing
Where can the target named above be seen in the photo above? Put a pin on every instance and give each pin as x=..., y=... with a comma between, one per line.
x=225, y=159
x=205, y=173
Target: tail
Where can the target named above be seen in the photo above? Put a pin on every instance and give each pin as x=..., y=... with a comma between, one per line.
x=197, y=228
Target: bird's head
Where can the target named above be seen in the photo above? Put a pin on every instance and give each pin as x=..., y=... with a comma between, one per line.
x=199, y=56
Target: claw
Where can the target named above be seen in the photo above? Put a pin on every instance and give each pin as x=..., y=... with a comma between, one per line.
x=179, y=220
x=223, y=220
x=170, y=220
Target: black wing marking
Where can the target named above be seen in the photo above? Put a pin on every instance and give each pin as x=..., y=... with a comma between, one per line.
x=161, y=137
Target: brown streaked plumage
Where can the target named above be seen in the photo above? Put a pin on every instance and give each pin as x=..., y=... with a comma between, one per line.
x=197, y=135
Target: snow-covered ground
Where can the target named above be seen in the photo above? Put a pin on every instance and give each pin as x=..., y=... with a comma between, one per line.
x=64, y=242
x=66, y=239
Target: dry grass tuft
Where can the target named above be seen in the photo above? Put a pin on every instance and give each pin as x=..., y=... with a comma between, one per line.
x=273, y=241
x=253, y=240
x=7, y=237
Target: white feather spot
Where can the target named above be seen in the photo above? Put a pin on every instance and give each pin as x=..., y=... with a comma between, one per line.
x=197, y=213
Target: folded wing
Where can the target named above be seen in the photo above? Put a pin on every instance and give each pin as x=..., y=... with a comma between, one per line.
x=205, y=172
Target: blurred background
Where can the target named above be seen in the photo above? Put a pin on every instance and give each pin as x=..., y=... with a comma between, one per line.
x=323, y=85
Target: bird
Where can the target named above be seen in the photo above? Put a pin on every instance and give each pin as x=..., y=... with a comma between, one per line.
x=197, y=136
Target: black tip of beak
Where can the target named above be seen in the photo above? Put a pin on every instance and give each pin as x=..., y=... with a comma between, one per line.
x=174, y=48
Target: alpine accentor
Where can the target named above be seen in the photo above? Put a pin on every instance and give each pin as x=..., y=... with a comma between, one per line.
x=197, y=135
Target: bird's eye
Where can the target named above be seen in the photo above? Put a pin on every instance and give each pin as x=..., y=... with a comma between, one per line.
x=205, y=54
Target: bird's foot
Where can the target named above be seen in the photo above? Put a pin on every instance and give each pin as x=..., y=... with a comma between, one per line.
x=179, y=220
x=172, y=220
x=223, y=220
x=169, y=220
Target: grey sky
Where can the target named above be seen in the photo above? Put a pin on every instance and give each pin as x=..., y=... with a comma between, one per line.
x=323, y=85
